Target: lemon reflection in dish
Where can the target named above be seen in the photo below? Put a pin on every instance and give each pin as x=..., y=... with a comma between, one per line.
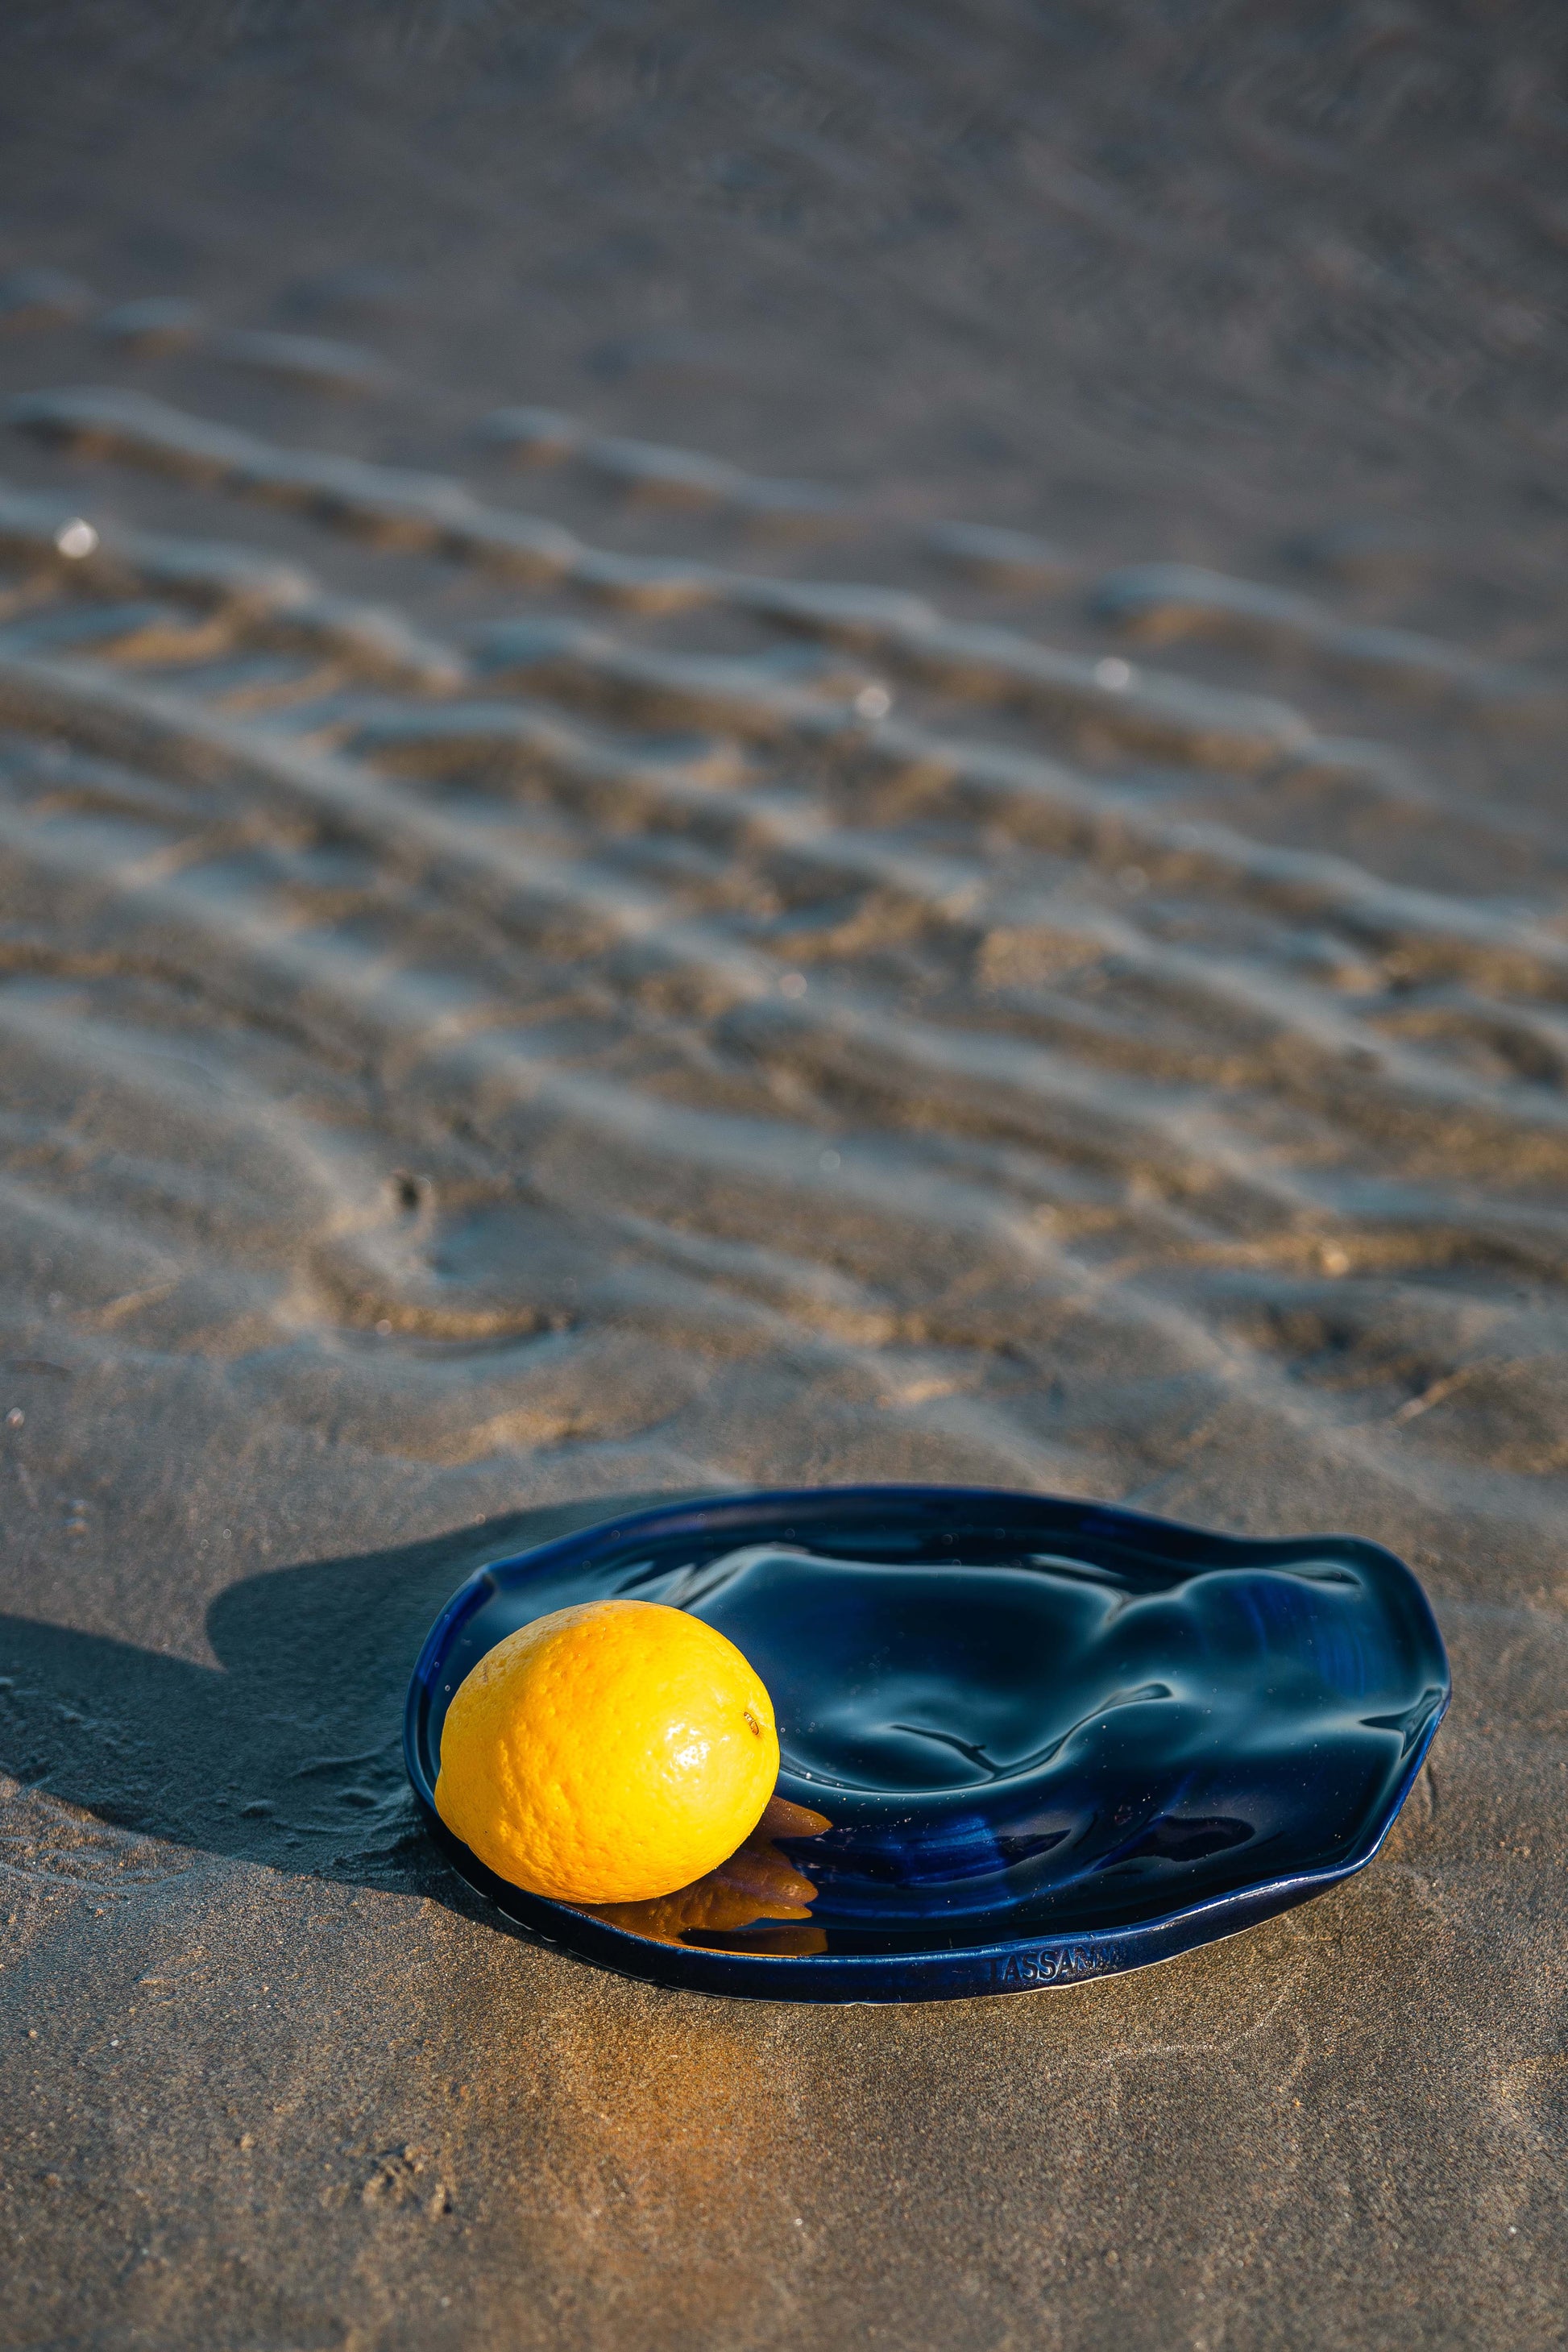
x=757, y=1885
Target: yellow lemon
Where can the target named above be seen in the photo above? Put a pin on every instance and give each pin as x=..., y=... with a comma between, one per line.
x=607, y=1753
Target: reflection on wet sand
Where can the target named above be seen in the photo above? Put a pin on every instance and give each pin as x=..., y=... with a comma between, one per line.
x=757, y=1885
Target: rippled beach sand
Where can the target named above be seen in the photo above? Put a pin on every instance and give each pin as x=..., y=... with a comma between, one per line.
x=734, y=752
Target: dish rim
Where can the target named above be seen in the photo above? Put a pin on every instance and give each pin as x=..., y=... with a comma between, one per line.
x=1010, y=1964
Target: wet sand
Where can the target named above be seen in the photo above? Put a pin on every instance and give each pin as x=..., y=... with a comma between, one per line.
x=780, y=752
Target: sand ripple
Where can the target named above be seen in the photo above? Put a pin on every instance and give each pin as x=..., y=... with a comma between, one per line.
x=784, y=987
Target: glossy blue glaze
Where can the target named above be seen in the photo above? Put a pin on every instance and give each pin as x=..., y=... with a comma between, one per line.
x=1050, y=1740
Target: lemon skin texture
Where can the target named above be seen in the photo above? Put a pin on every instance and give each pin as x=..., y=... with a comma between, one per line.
x=608, y=1753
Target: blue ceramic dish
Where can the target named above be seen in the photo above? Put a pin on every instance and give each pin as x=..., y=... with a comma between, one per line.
x=1025, y=1741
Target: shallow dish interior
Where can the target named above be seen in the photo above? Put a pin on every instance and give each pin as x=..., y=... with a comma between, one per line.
x=1008, y=1723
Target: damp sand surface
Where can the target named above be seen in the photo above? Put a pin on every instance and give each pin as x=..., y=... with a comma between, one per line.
x=746, y=754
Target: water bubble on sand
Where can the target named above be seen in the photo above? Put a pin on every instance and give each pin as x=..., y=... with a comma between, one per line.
x=76, y=539
x=1113, y=674
x=794, y=983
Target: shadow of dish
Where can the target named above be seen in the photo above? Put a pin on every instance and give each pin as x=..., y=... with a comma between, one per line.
x=288, y=1752
x=756, y=1887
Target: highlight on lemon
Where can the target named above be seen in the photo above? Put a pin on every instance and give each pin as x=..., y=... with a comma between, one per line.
x=612, y=1752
